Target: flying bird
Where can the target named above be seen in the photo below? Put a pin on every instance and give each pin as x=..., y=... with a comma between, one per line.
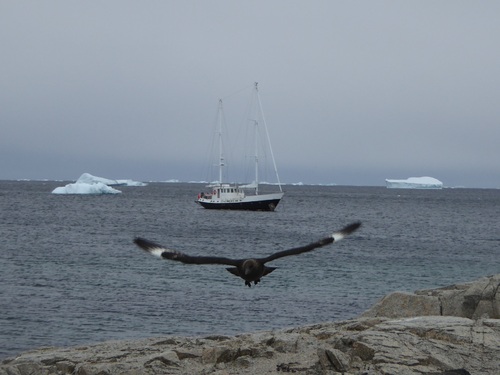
x=250, y=270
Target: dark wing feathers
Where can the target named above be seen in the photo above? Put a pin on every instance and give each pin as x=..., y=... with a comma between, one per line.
x=184, y=258
x=349, y=229
x=297, y=250
x=337, y=236
x=165, y=253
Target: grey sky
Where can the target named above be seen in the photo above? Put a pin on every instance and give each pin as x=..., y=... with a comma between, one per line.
x=353, y=91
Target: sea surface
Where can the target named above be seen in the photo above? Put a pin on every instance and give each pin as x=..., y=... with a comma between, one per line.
x=70, y=274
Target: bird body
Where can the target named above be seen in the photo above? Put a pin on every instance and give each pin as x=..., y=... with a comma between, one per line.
x=250, y=270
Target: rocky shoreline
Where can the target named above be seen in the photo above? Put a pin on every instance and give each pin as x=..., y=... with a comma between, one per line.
x=450, y=330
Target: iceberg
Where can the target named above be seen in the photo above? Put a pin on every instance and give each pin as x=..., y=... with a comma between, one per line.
x=414, y=183
x=130, y=183
x=85, y=188
x=89, y=184
x=87, y=178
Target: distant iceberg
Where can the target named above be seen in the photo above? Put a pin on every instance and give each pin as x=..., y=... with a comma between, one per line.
x=89, y=184
x=84, y=188
x=414, y=183
x=87, y=178
x=131, y=183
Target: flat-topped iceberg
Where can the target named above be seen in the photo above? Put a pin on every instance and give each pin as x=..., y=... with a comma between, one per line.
x=89, y=184
x=130, y=183
x=414, y=183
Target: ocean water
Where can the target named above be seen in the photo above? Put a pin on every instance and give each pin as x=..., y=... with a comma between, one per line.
x=70, y=274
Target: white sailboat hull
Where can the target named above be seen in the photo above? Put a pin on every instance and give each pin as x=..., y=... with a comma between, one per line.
x=262, y=202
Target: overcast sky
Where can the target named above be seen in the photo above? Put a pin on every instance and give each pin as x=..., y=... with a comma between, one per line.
x=354, y=92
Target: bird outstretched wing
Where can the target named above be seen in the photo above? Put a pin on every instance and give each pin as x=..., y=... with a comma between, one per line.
x=337, y=236
x=163, y=252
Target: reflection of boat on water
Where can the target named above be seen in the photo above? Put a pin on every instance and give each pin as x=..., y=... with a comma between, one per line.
x=227, y=196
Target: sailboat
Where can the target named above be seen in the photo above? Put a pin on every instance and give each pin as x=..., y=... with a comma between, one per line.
x=230, y=196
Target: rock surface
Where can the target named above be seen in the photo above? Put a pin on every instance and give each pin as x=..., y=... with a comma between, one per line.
x=452, y=330
x=473, y=300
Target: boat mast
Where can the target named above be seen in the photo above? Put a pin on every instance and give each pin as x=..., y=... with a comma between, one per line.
x=221, y=154
x=267, y=134
x=256, y=157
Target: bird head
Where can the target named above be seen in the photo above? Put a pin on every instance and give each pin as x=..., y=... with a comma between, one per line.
x=250, y=266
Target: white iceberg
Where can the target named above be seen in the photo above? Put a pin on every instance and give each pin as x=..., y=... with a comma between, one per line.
x=87, y=178
x=89, y=184
x=85, y=188
x=130, y=183
x=414, y=183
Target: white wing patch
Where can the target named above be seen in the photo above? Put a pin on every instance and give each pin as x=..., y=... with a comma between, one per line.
x=158, y=251
x=337, y=236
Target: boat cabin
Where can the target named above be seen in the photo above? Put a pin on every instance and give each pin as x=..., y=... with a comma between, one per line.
x=224, y=193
